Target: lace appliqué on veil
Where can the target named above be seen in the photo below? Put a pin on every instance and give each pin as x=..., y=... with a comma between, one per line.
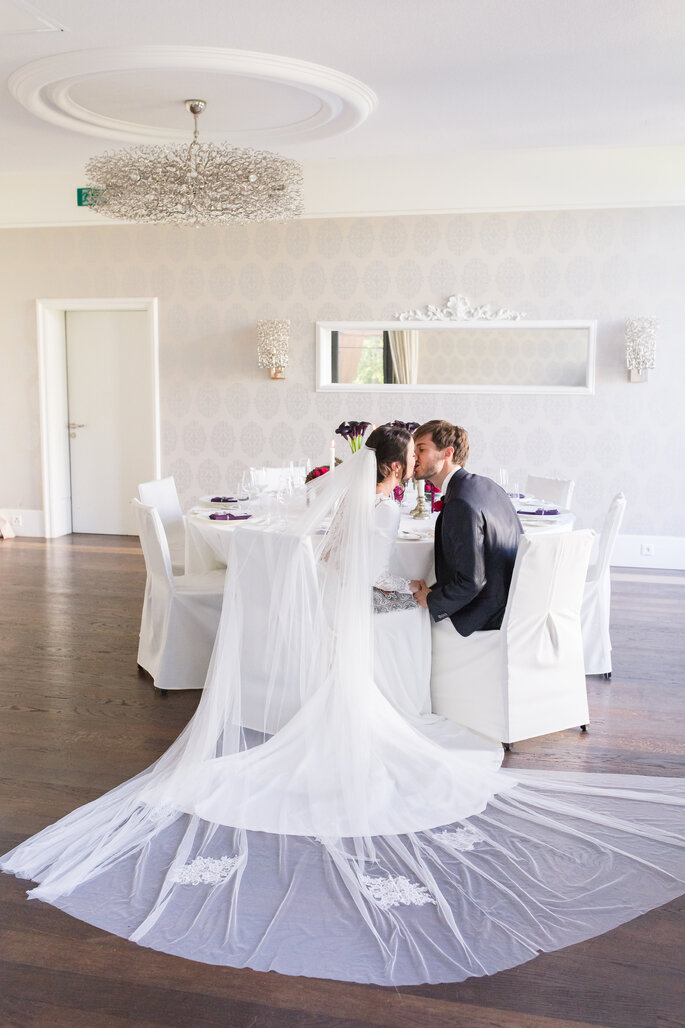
x=461, y=840
x=205, y=871
x=395, y=891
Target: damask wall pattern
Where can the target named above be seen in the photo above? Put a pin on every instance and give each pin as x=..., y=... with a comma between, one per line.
x=220, y=412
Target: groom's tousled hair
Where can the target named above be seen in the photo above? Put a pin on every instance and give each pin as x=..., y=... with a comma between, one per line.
x=445, y=434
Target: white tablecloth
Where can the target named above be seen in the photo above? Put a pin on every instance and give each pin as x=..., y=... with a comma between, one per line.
x=207, y=542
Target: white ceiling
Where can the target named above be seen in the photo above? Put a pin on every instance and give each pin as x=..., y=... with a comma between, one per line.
x=451, y=77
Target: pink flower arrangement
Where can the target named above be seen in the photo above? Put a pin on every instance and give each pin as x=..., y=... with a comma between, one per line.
x=431, y=491
x=321, y=470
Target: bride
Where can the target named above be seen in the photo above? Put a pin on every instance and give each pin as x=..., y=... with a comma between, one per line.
x=350, y=841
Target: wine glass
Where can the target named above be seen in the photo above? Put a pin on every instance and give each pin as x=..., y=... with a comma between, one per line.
x=504, y=479
x=245, y=490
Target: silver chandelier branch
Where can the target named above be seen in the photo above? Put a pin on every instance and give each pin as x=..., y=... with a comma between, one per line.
x=196, y=184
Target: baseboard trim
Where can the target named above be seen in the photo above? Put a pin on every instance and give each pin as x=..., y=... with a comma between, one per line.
x=667, y=552
x=25, y=522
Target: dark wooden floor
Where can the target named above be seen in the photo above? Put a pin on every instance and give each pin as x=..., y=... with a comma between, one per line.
x=76, y=720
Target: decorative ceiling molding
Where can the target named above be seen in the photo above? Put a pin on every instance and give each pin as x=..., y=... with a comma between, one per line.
x=460, y=308
x=45, y=86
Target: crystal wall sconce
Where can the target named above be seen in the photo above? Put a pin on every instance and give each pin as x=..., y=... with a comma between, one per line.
x=640, y=347
x=272, y=346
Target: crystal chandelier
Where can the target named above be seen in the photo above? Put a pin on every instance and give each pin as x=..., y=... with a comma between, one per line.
x=197, y=184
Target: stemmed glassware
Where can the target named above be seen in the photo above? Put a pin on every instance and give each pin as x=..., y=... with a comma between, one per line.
x=244, y=492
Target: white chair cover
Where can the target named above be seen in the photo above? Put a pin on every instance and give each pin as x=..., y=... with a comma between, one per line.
x=180, y=612
x=596, y=607
x=553, y=490
x=271, y=681
x=162, y=495
x=528, y=678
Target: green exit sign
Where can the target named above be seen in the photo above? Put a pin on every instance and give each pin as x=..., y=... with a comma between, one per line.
x=87, y=196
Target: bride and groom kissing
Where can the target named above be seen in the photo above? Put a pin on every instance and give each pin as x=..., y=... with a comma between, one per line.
x=476, y=534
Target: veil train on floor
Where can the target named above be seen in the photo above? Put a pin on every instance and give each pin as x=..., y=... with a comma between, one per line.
x=332, y=837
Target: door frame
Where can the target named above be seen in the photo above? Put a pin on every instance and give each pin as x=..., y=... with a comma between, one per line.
x=53, y=398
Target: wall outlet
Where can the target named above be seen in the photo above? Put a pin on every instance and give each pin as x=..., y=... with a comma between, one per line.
x=17, y=521
x=647, y=550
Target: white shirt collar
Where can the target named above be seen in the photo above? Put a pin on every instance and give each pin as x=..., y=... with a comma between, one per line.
x=447, y=480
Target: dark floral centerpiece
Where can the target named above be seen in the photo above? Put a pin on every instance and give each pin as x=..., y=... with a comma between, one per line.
x=353, y=431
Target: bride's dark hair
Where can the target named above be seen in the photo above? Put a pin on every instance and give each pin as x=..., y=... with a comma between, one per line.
x=390, y=443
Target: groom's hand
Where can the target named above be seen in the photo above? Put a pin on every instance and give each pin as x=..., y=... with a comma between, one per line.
x=421, y=594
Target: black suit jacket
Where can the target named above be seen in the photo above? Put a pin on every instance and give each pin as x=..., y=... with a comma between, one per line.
x=476, y=539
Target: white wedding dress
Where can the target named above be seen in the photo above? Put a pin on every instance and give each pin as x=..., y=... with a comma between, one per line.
x=354, y=843
x=401, y=628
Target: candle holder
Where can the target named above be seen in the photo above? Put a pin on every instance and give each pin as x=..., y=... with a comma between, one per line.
x=420, y=512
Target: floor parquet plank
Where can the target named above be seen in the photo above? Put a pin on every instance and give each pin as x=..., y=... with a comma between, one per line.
x=76, y=719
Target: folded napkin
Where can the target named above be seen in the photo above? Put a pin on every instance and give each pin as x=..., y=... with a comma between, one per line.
x=224, y=499
x=540, y=510
x=227, y=516
x=517, y=496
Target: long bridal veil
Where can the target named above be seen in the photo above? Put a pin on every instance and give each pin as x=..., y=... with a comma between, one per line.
x=301, y=824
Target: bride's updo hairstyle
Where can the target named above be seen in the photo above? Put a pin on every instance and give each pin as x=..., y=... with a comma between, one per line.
x=390, y=443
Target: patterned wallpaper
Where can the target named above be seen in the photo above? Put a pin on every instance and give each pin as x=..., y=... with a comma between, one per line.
x=516, y=357
x=220, y=412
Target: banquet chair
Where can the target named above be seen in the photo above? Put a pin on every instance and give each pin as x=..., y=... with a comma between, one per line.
x=596, y=607
x=271, y=682
x=527, y=678
x=180, y=612
x=161, y=494
x=553, y=490
x=273, y=479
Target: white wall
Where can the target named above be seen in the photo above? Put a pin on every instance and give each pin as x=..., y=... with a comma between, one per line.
x=219, y=411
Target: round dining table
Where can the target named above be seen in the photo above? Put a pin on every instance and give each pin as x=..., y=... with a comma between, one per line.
x=208, y=540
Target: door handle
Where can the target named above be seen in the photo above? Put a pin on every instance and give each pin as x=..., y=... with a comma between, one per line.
x=72, y=424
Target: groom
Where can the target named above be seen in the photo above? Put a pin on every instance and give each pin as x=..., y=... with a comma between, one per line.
x=476, y=534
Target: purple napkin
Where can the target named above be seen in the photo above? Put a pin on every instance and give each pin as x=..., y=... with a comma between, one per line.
x=517, y=496
x=229, y=517
x=540, y=510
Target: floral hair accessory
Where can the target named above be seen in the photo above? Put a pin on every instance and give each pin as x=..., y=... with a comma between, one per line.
x=410, y=426
x=353, y=431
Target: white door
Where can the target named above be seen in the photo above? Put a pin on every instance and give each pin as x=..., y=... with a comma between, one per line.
x=111, y=391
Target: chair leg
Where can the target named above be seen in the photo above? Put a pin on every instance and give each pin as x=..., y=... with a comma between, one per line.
x=508, y=746
x=606, y=676
x=583, y=728
x=162, y=692
x=141, y=669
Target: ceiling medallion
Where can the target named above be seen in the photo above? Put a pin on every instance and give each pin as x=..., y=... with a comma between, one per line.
x=58, y=89
x=460, y=308
x=203, y=183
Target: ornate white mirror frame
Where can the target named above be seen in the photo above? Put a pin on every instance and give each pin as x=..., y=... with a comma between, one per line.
x=509, y=350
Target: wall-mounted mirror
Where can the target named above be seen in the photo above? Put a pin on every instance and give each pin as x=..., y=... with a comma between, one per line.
x=456, y=356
